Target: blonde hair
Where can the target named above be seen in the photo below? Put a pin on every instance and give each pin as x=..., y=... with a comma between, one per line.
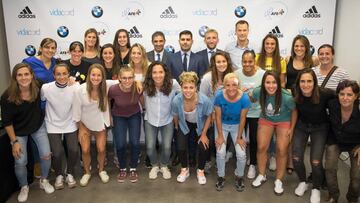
x=188, y=77
x=231, y=76
x=144, y=59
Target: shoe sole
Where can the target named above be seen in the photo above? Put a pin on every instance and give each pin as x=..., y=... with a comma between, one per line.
x=278, y=194
x=133, y=181
x=72, y=186
x=240, y=189
x=219, y=189
x=59, y=187
x=254, y=186
x=121, y=181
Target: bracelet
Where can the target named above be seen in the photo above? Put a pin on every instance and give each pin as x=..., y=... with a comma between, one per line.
x=13, y=142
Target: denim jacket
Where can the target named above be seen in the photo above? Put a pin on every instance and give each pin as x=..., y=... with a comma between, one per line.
x=204, y=109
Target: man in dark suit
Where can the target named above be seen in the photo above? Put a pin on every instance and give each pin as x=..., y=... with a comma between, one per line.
x=185, y=59
x=211, y=40
x=158, y=53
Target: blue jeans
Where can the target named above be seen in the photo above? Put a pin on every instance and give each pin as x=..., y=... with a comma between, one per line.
x=221, y=153
x=41, y=140
x=151, y=134
x=121, y=126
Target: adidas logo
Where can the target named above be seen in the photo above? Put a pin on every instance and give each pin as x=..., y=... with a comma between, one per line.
x=134, y=33
x=168, y=13
x=26, y=13
x=276, y=31
x=312, y=13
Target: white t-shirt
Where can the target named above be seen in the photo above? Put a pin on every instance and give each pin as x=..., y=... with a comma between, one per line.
x=58, y=108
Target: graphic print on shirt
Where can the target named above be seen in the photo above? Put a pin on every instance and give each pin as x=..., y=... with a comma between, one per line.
x=270, y=110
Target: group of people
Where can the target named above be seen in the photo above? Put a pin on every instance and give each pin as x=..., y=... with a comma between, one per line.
x=196, y=99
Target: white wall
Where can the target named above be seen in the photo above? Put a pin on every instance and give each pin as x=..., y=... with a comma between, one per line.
x=346, y=39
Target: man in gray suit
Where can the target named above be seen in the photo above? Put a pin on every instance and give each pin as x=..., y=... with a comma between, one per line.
x=211, y=40
x=185, y=59
x=158, y=53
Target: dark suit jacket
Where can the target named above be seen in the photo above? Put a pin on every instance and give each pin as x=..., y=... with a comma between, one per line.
x=151, y=56
x=174, y=63
x=203, y=55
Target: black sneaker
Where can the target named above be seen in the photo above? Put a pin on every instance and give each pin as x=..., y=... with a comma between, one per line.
x=220, y=183
x=239, y=184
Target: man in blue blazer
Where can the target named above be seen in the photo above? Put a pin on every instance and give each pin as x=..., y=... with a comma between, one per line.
x=185, y=59
x=158, y=53
x=211, y=40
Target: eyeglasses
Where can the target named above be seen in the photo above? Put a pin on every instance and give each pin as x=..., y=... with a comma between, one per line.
x=127, y=78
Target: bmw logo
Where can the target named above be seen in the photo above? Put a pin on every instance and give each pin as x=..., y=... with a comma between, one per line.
x=63, y=31
x=240, y=11
x=202, y=30
x=30, y=50
x=169, y=48
x=97, y=11
x=312, y=49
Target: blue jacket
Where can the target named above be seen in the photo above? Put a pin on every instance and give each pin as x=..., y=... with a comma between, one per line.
x=204, y=109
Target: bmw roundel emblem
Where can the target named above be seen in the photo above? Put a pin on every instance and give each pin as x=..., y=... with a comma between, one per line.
x=312, y=49
x=202, y=30
x=240, y=11
x=63, y=31
x=30, y=50
x=97, y=11
x=169, y=48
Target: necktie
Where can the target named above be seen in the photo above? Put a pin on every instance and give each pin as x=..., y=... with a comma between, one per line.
x=158, y=57
x=211, y=52
x=185, y=62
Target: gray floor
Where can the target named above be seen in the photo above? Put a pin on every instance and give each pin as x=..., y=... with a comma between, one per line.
x=161, y=190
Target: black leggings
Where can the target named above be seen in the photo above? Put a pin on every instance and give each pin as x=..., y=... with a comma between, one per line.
x=318, y=135
x=183, y=140
x=252, y=125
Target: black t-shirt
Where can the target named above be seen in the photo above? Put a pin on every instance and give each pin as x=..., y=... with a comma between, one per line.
x=345, y=135
x=26, y=118
x=310, y=113
x=80, y=71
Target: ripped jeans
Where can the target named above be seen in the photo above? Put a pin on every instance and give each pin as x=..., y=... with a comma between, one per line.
x=41, y=140
x=221, y=152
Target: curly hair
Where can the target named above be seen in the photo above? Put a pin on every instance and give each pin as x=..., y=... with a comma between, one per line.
x=149, y=84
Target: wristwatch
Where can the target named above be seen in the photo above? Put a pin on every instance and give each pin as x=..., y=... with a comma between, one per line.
x=13, y=142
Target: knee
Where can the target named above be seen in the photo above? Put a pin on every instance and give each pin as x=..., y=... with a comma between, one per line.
x=101, y=149
x=221, y=153
x=296, y=159
x=315, y=163
x=240, y=153
x=282, y=152
x=261, y=149
x=46, y=157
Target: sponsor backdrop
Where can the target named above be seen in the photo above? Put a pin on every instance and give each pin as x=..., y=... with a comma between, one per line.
x=28, y=22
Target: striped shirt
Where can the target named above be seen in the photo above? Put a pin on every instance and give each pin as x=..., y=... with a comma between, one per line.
x=339, y=75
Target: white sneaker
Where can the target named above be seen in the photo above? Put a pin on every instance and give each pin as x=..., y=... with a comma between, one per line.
x=278, y=189
x=85, y=180
x=184, y=174
x=166, y=172
x=153, y=172
x=301, y=189
x=104, y=177
x=251, y=172
x=45, y=185
x=201, y=177
x=59, y=182
x=260, y=179
x=315, y=196
x=228, y=156
x=23, y=195
x=272, y=163
x=70, y=181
